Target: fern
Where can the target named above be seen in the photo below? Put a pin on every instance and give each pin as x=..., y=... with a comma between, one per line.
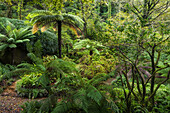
x=34, y=58
x=64, y=107
x=14, y=73
x=98, y=79
x=31, y=107
x=94, y=94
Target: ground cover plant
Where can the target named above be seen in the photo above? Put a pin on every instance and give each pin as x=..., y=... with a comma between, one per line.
x=113, y=57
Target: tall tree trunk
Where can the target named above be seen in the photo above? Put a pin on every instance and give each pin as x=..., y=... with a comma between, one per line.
x=59, y=38
x=85, y=23
x=153, y=74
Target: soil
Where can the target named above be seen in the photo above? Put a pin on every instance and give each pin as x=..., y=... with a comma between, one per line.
x=10, y=102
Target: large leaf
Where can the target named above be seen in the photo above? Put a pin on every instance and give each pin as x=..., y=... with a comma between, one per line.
x=4, y=46
x=2, y=36
x=26, y=40
x=19, y=41
x=10, y=40
x=12, y=46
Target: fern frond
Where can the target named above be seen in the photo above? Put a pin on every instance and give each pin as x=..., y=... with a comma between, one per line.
x=112, y=106
x=63, y=107
x=35, y=29
x=98, y=79
x=17, y=72
x=47, y=104
x=12, y=26
x=25, y=33
x=42, y=12
x=31, y=107
x=61, y=66
x=94, y=94
x=24, y=65
x=73, y=18
x=44, y=28
x=81, y=100
x=34, y=58
x=73, y=27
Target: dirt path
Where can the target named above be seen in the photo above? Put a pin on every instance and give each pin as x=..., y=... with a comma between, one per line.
x=10, y=102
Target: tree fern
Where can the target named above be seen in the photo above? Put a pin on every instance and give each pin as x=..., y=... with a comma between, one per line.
x=47, y=18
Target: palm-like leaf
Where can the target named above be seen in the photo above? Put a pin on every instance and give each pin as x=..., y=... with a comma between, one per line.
x=2, y=37
x=14, y=36
x=43, y=19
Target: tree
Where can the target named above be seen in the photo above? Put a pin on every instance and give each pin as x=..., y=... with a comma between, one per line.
x=149, y=10
x=12, y=38
x=44, y=19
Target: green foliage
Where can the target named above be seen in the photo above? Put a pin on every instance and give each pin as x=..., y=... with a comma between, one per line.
x=13, y=37
x=87, y=44
x=31, y=107
x=80, y=96
x=17, y=23
x=90, y=66
x=48, y=41
x=137, y=53
x=29, y=86
x=1, y=90
x=162, y=99
x=5, y=71
x=97, y=30
x=42, y=18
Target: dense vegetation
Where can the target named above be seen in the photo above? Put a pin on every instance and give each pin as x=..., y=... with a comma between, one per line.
x=87, y=56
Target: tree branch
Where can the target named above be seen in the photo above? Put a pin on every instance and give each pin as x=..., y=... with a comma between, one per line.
x=159, y=86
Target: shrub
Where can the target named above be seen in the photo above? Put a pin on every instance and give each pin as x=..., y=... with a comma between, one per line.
x=29, y=86
x=90, y=66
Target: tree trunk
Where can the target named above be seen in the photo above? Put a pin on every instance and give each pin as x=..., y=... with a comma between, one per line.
x=59, y=38
x=153, y=74
x=85, y=23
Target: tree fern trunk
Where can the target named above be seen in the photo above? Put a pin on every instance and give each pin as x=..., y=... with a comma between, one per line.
x=59, y=38
x=85, y=23
x=153, y=74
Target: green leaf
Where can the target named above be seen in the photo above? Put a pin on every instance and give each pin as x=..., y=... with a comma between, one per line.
x=26, y=40
x=2, y=36
x=12, y=46
x=161, y=65
x=4, y=46
x=19, y=41
x=88, y=46
x=10, y=40
x=96, y=51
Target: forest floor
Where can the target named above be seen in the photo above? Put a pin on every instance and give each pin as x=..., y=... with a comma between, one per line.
x=10, y=102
